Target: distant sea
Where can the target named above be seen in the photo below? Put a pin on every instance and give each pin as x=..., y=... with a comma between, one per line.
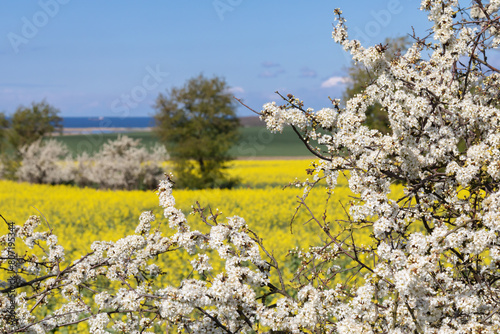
x=131, y=122
x=108, y=122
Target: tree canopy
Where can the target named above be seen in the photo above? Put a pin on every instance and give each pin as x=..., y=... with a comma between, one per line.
x=4, y=124
x=198, y=123
x=28, y=124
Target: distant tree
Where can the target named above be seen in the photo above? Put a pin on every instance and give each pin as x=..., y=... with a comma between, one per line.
x=198, y=123
x=123, y=163
x=4, y=124
x=45, y=162
x=360, y=78
x=28, y=124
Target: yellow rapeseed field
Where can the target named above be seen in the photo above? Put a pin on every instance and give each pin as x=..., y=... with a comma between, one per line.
x=80, y=216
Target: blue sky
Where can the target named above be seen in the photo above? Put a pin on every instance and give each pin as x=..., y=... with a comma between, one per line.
x=113, y=58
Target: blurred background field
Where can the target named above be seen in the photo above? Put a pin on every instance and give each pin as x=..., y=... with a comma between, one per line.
x=255, y=141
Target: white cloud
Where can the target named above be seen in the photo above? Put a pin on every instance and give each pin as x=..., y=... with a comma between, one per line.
x=270, y=64
x=334, y=81
x=235, y=89
x=306, y=72
x=94, y=104
x=271, y=74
